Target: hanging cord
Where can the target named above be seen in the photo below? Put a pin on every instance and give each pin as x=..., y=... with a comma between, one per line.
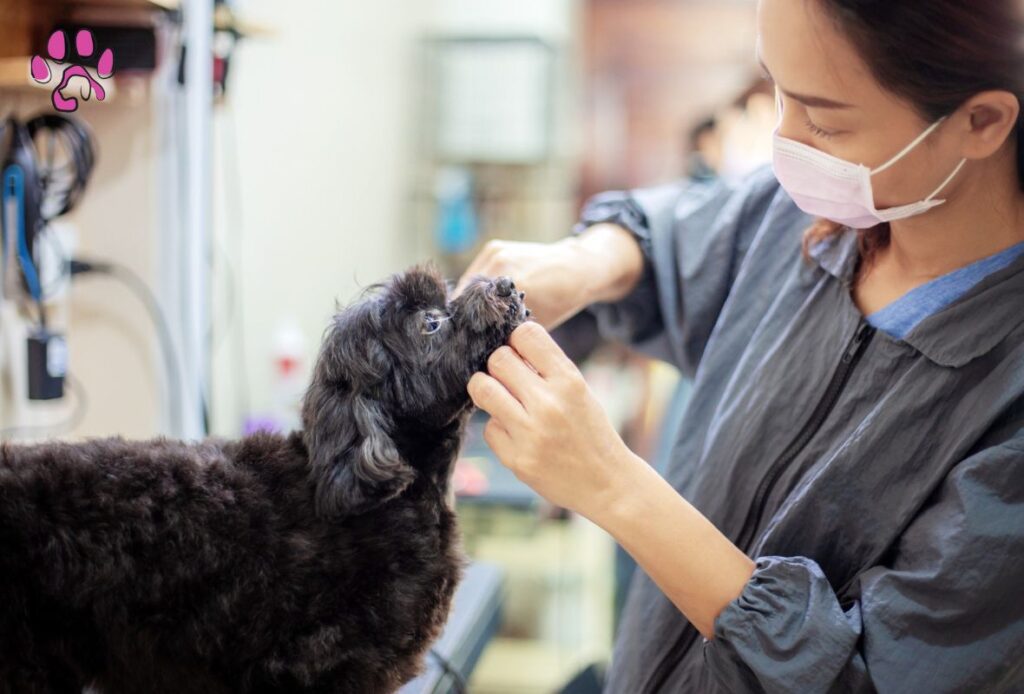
x=62, y=179
x=69, y=424
x=142, y=291
x=13, y=196
x=61, y=182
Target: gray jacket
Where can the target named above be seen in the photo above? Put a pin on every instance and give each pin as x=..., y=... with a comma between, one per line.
x=878, y=483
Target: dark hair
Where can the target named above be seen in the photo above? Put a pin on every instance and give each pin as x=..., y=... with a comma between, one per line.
x=937, y=54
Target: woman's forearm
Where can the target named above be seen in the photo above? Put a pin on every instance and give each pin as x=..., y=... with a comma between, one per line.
x=696, y=566
x=613, y=260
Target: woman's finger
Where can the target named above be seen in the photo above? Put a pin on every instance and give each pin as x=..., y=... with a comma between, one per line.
x=499, y=440
x=493, y=398
x=508, y=367
x=535, y=345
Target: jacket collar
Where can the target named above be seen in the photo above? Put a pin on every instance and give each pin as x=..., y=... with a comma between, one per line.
x=969, y=328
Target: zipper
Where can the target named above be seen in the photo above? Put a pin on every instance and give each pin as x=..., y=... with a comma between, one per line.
x=851, y=356
x=854, y=351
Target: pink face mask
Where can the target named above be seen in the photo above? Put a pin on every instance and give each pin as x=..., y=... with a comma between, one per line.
x=825, y=186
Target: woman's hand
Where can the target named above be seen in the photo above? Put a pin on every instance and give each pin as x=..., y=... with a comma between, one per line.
x=549, y=430
x=547, y=427
x=562, y=278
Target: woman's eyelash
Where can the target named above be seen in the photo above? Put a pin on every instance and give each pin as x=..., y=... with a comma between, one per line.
x=818, y=131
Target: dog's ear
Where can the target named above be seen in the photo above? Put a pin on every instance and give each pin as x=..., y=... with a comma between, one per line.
x=355, y=463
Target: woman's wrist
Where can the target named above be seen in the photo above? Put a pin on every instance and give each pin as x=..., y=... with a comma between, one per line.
x=610, y=261
x=627, y=495
x=697, y=567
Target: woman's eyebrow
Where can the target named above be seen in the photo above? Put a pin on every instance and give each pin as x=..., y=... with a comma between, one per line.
x=812, y=101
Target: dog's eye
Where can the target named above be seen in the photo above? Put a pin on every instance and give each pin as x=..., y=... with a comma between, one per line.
x=432, y=322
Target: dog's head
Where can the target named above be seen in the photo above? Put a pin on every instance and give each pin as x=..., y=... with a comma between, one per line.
x=393, y=369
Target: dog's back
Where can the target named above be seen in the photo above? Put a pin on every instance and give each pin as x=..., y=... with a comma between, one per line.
x=164, y=566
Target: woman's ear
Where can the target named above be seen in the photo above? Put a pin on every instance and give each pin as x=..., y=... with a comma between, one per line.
x=355, y=464
x=993, y=118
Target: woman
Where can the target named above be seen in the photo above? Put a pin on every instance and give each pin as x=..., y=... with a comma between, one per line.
x=844, y=510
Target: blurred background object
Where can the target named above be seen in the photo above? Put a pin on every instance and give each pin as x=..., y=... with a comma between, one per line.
x=253, y=162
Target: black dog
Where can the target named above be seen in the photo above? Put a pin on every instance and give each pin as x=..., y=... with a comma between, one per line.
x=321, y=561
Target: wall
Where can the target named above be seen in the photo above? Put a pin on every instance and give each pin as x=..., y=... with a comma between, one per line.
x=111, y=337
x=319, y=117
x=554, y=20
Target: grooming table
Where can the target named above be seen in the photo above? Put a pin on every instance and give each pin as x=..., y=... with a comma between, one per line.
x=474, y=620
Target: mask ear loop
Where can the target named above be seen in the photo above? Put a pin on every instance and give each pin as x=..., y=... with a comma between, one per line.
x=945, y=183
x=906, y=150
x=911, y=146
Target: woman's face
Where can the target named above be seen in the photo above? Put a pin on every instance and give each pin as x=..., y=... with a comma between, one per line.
x=831, y=102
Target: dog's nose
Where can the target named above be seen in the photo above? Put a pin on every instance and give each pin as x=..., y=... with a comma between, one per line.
x=503, y=286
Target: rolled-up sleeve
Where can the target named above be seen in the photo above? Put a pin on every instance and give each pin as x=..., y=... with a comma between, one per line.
x=694, y=237
x=637, y=317
x=946, y=614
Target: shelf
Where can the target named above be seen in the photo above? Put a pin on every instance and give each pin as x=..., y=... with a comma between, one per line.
x=144, y=4
x=14, y=75
x=22, y=20
x=14, y=70
x=226, y=20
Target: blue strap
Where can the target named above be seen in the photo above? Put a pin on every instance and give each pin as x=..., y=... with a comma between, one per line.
x=14, y=189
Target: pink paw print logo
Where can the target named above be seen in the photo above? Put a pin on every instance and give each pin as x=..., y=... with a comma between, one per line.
x=57, y=51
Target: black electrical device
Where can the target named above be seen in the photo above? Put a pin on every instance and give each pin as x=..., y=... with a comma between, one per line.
x=47, y=365
x=134, y=47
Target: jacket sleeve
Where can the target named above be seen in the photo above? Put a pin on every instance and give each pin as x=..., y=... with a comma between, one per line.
x=694, y=237
x=944, y=614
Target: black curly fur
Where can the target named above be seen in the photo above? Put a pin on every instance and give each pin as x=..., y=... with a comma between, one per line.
x=320, y=561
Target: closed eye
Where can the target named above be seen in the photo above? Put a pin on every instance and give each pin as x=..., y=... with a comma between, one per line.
x=820, y=132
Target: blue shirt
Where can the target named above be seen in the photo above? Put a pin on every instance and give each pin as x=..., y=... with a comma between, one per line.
x=901, y=316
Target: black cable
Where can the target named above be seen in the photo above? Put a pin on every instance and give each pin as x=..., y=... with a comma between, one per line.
x=51, y=188
x=451, y=671
x=69, y=424
x=61, y=186
x=135, y=283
